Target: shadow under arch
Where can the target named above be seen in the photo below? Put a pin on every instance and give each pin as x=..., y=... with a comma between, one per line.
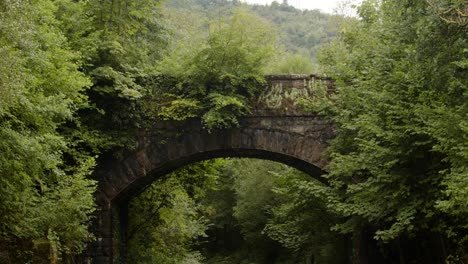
x=139, y=185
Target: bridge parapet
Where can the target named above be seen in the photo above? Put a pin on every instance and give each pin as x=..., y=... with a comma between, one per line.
x=283, y=94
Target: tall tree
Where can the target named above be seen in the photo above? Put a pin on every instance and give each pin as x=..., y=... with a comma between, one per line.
x=399, y=159
x=41, y=87
x=215, y=78
x=120, y=42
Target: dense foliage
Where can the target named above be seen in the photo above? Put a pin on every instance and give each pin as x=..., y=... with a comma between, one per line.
x=399, y=161
x=68, y=72
x=165, y=218
x=300, y=33
x=79, y=78
x=232, y=211
x=216, y=75
x=119, y=43
x=75, y=81
x=40, y=89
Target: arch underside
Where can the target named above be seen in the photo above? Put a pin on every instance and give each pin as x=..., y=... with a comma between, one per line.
x=140, y=184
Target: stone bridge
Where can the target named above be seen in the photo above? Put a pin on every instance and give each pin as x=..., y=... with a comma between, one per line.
x=277, y=129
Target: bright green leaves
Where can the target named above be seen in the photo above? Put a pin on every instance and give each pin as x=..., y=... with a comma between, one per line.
x=254, y=184
x=122, y=86
x=164, y=219
x=64, y=211
x=238, y=45
x=224, y=111
x=288, y=63
x=279, y=203
x=218, y=62
x=179, y=109
x=41, y=88
x=368, y=11
x=302, y=218
x=221, y=71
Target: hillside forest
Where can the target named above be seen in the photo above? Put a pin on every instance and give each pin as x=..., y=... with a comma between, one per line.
x=80, y=78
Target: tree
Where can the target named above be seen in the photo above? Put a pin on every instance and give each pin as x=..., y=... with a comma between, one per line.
x=254, y=184
x=301, y=220
x=170, y=216
x=163, y=222
x=398, y=162
x=70, y=76
x=41, y=87
x=120, y=42
x=217, y=77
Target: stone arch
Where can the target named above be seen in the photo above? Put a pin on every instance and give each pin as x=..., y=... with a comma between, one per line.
x=298, y=141
x=166, y=167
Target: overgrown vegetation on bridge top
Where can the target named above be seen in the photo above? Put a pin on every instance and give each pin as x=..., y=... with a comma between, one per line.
x=75, y=77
